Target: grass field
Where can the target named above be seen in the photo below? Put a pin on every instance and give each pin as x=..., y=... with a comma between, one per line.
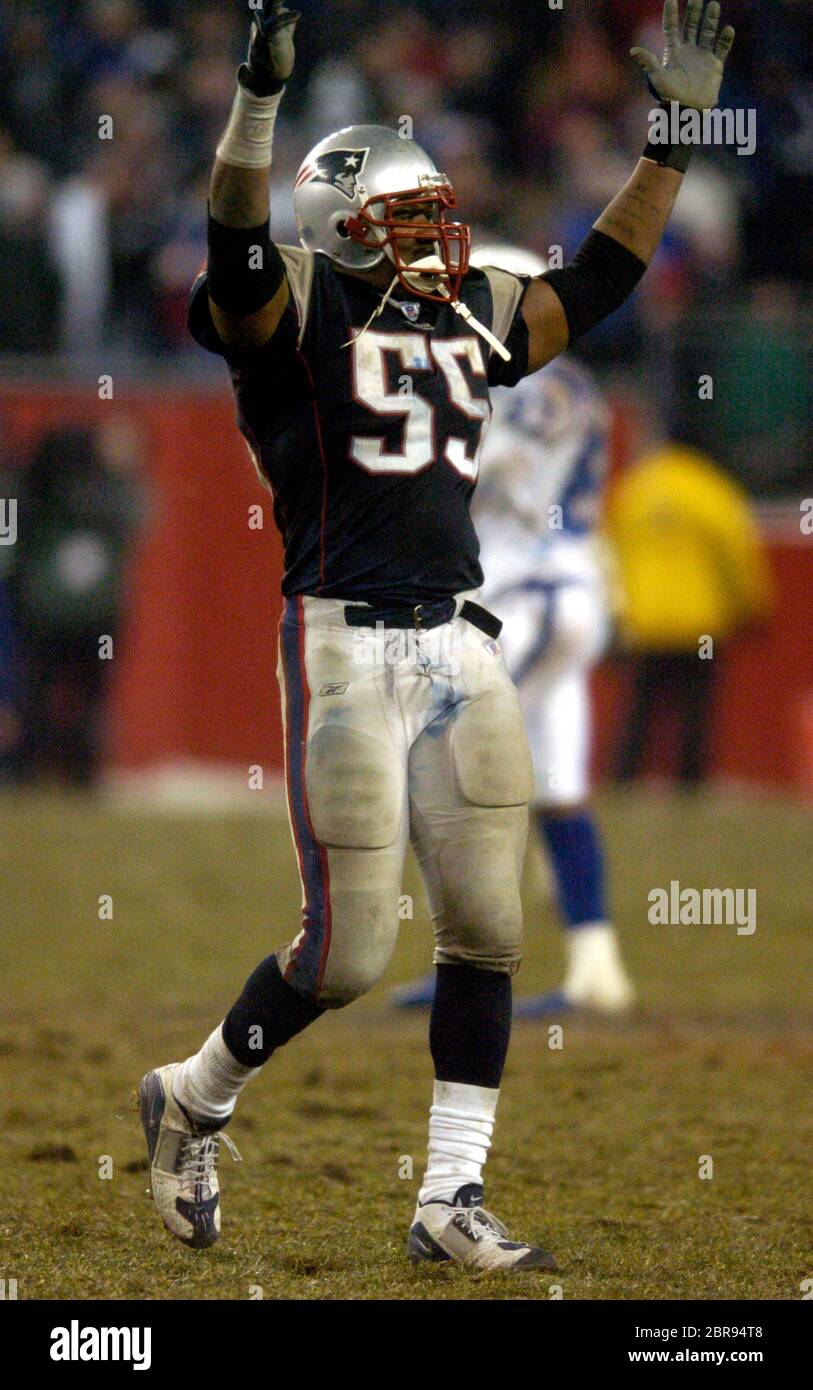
x=598, y=1144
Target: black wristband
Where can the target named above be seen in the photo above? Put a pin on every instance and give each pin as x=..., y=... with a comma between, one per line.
x=664, y=153
x=257, y=83
x=245, y=268
x=602, y=274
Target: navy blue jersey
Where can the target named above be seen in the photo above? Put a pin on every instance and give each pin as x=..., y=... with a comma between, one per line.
x=370, y=441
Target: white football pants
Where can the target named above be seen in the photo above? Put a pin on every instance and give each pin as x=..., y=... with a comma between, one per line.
x=553, y=635
x=392, y=735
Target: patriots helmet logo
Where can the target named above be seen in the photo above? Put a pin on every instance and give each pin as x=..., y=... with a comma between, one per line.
x=340, y=168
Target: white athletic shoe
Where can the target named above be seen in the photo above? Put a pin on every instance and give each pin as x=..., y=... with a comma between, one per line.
x=464, y=1232
x=596, y=978
x=183, y=1161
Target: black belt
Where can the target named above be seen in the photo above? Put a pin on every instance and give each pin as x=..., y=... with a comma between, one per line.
x=423, y=616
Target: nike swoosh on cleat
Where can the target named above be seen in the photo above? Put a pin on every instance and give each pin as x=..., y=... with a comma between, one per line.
x=201, y=1217
x=421, y=1247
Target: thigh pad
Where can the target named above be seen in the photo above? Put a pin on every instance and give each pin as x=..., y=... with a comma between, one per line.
x=490, y=754
x=355, y=788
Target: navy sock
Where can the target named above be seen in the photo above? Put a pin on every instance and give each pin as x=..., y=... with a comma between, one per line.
x=470, y=1025
x=269, y=1003
x=577, y=858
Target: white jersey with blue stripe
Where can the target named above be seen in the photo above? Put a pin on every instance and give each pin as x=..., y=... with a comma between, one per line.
x=542, y=478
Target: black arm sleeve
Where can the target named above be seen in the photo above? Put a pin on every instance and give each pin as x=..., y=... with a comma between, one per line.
x=245, y=267
x=596, y=282
x=204, y=332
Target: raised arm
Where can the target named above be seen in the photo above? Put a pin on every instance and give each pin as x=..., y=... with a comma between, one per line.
x=564, y=304
x=248, y=288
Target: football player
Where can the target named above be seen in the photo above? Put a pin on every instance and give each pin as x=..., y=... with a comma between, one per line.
x=536, y=510
x=361, y=363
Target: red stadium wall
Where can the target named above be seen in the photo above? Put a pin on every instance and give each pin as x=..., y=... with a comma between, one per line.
x=195, y=670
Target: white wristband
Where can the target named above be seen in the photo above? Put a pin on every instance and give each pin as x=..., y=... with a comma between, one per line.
x=250, y=133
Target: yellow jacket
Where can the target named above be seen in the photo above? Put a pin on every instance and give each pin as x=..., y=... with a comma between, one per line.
x=692, y=563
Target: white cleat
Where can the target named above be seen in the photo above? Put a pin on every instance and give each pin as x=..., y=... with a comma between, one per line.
x=183, y=1162
x=464, y=1233
x=596, y=978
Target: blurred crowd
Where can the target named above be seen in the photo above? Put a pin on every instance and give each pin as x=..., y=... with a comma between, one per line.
x=110, y=112
x=535, y=112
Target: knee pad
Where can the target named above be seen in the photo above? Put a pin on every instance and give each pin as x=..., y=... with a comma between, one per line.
x=489, y=749
x=344, y=987
x=355, y=789
x=351, y=970
x=343, y=951
x=480, y=869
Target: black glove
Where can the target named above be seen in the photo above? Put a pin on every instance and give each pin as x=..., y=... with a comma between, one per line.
x=270, y=59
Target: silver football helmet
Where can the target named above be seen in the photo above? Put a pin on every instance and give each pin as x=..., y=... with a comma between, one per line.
x=353, y=194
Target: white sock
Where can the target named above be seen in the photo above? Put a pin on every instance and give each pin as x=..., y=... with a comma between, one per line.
x=595, y=973
x=208, y=1084
x=461, y=1122
x=590, y=945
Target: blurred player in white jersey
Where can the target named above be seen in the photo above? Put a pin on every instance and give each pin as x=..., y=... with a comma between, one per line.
x=536, y=510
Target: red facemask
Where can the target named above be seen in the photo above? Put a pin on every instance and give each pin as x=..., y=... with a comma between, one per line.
x=450, y=241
